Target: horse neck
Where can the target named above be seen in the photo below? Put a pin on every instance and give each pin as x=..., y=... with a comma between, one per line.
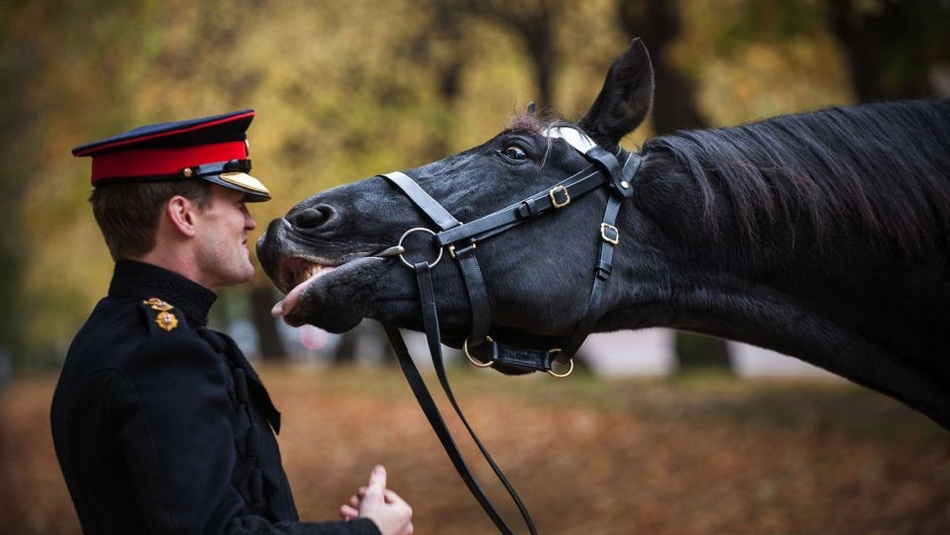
x=805, y=206
x=872, y=315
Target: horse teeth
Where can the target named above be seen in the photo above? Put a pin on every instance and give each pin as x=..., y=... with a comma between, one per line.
x=307, y=272
x=312, y=271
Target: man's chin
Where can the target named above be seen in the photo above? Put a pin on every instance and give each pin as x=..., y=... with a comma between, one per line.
x=235, y=277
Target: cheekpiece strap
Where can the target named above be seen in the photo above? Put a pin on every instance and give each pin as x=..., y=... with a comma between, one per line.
x=464, y=254
x=439, y=215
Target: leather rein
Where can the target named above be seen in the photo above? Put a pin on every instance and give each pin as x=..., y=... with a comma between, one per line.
x=460, y=241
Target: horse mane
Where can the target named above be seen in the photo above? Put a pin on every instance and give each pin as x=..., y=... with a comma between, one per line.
x=881, y=169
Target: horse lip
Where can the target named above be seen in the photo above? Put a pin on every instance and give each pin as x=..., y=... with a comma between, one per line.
x=296, y=269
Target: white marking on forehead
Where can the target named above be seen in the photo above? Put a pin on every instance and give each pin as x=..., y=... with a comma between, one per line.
x=575, y=138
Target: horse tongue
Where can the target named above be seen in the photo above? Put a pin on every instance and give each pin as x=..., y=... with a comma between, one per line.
x=313, y=338
x=284, y=306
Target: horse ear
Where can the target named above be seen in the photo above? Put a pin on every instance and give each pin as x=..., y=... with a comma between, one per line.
x=625, y=100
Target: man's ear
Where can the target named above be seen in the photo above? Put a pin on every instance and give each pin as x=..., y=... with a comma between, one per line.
x=181, y=214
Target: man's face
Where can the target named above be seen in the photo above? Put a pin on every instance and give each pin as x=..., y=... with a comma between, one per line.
x=222, y=254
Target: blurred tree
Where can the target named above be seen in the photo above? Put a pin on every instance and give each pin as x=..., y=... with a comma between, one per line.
x=758, y=59
x=891, y=49
x=534, y=23
x=658, y=23
x=892, y=46
x=45, y=74
x=269, y=343
x=16, y=61
x=346, y=90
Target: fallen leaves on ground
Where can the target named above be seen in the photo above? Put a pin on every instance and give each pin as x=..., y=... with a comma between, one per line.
x=695, y=455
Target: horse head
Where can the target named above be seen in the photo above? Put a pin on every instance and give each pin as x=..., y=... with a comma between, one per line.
x=333, y=253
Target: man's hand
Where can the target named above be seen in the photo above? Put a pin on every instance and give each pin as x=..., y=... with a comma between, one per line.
x=392, y=515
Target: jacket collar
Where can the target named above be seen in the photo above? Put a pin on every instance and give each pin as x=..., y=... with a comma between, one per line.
x=138, y=280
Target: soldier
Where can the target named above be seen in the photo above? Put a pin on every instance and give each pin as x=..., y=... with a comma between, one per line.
x=160, y=424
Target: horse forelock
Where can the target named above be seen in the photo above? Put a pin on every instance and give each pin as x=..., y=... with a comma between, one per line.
x=527, y=122
x=884, y=168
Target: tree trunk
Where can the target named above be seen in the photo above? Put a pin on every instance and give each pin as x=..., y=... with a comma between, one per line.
x=657, y=22
x=886, y=49
x=268, y=339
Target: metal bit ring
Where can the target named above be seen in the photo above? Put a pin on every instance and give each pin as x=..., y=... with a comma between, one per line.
x=410, y=231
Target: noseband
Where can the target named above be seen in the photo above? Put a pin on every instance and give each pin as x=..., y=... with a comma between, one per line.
x=460, y=241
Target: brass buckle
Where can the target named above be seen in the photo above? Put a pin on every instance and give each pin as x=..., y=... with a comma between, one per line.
x=609, y=233
x=554, y=193
x=452, y=250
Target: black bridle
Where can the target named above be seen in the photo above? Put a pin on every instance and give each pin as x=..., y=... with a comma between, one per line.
x=460, y=240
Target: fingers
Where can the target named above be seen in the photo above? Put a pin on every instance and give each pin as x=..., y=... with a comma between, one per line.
x=377, y=478
x=389, y=496
x=374, y=493
x=348, y=513
x=391, y=514
x=351, y=509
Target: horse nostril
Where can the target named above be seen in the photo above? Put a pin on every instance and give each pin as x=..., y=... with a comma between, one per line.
x=312, y=217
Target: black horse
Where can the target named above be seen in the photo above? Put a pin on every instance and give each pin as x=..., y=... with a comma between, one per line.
x=824, y=235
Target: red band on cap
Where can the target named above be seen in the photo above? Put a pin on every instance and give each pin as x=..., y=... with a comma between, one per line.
x=157, y=162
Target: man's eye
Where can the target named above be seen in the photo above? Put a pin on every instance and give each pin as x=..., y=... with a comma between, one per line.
x=515, y=153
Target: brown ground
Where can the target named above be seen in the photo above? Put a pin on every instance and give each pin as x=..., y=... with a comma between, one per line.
x=701, y=455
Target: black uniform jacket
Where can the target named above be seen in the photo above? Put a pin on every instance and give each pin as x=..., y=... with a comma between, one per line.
x=162, y=426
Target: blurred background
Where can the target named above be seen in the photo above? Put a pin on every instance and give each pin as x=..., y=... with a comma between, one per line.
x=345, y=90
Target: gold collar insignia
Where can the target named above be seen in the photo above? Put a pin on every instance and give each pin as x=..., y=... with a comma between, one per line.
x=165, y=319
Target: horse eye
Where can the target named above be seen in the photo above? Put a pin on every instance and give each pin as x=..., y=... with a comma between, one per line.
x=515, y=153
